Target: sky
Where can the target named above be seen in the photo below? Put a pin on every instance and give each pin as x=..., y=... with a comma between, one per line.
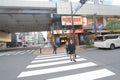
x=116, y=2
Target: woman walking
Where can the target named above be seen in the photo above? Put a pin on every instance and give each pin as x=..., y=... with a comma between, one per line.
x=71, y=50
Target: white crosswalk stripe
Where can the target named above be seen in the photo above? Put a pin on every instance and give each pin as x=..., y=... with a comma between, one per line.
x=43, y=61
x=53, y=56
x=17, y=52
x=56, y=69
x=52, y=59
x=87, y=76
x=2, y=54
x=53, y=63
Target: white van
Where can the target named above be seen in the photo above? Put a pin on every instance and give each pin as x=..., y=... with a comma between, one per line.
x=107, y=41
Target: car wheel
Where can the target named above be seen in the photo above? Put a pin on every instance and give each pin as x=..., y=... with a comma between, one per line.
x=112, y=46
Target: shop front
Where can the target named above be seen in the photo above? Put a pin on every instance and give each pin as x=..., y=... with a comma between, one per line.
x=63, y=29
x=61, y=36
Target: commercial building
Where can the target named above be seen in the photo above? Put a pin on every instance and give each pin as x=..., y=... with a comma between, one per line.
x=27, y=16
x=90, y=18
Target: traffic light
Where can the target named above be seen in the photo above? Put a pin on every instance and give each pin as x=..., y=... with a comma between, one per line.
x=83, y=1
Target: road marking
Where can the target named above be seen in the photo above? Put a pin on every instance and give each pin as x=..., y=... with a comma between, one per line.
x=16, y=52
x=7, y=54
x=2, y=54
x=30, y=51
x=56, y=69
x=53, y=59
x=53, y=63
x=50, y=55
x=92, y=75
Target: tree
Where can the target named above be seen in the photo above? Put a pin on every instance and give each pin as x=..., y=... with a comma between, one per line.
x=113, y=25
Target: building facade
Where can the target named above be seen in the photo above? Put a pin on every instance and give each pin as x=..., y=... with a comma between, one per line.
x=83, y=20
x=61, y=25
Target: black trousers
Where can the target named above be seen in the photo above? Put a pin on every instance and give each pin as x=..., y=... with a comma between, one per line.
x=54, y=52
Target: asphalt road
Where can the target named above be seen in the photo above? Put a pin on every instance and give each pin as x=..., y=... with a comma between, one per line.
x=13, y=62
x=92, y=64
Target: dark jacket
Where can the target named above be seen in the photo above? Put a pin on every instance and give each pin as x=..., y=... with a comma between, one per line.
x=71, y=48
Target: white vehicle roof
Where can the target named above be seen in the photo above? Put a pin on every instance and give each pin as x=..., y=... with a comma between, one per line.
x=108, y=35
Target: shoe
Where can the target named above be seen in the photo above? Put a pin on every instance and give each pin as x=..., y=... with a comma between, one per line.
x=70, y=59
x=74, y=60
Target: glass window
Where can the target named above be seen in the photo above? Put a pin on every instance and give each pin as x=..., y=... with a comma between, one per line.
x=100, y=38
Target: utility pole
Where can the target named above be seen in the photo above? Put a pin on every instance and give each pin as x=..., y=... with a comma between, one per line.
x=95, y=27
x=72, y=14
x=73, y=28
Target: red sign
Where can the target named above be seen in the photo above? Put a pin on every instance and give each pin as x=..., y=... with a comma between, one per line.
x=68, y=31
x=57, y=31
x=77, y=31
x=67, y=20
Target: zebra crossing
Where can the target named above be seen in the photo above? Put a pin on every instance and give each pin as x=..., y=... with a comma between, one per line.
x=61, y=68
x=16, y=52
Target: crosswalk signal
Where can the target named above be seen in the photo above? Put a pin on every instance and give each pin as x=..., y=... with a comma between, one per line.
x=83, y=1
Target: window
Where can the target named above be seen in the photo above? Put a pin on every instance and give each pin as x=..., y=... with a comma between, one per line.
x=111, y=37
x=100, y=38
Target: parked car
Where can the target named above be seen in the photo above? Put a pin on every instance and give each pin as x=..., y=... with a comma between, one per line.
x=107, y=41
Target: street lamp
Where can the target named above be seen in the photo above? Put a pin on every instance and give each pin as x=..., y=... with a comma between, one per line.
x=82, y=2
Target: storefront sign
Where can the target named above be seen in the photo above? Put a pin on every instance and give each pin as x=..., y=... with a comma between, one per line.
x=84, y=21
x=79, y=31
x=67, y=20
x=57, y=31
x=68, y=31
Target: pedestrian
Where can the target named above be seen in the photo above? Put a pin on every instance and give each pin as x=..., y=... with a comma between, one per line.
x=54, y=48
x=71, y=50
x=66, y=47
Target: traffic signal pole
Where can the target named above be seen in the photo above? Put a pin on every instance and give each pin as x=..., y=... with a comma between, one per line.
x=72, y=14
x=73, y=28
x=94, y=18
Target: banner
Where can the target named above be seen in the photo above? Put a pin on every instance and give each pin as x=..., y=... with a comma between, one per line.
x=68, y=31
x=67, y=20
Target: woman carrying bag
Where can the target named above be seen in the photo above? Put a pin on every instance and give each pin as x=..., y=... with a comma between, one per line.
x=71, y=50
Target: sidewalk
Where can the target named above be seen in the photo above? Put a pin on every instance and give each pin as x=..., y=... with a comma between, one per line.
x=50, y=50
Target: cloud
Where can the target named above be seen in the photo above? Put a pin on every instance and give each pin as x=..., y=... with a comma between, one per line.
x=116, y=2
